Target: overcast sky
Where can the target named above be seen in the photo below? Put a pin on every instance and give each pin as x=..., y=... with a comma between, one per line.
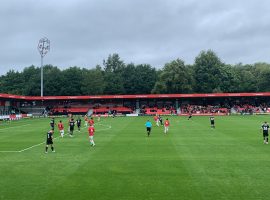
x=84, y=32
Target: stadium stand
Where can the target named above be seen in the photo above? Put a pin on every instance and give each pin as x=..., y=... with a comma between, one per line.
x=152, y=104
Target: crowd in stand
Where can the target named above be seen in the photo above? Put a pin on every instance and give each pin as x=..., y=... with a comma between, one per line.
x=250, y=108
x=199, y=109
x=225, y=109
x=226, y=106
x=184, y=109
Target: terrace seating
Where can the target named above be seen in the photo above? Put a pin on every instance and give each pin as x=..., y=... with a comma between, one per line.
x=84, y=110
x=35, y=111
x=159, y=111
x=122, y=109
x=198, y=109
x=73, y=110
x=247, y=108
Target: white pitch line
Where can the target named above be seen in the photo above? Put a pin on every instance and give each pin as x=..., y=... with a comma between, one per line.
x=109, y=127
x=32, y=147
x=9, y=151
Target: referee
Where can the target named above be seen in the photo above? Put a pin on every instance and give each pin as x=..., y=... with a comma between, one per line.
x=148, y=126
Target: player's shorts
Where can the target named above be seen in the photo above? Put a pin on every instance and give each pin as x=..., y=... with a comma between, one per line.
x=71, y=128
x=148, y=128
x=212, y=122
x=49, y=142
x=91, y=137
x=78, y=125
x=265, y=134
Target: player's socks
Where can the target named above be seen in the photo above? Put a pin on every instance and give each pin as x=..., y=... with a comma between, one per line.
x=52, y=149
x=46, y=149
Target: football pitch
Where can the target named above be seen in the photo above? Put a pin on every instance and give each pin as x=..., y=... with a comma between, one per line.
x=192, y=162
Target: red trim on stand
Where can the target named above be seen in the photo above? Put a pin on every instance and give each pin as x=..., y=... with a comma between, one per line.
x=140, y=96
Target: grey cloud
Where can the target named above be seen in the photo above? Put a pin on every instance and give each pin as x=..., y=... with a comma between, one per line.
x=83, y=33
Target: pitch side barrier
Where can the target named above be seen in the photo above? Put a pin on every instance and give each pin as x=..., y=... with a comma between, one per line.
x=255, y=113
x=205, y=114
x=15, y=117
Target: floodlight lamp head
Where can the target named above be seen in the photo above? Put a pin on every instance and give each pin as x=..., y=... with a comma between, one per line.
x=44, y=46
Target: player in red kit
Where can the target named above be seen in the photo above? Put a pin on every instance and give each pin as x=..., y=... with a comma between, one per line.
x=156, y=120
x=166, y=126
x=91, y=131
x=91, y=122
x=61, y=128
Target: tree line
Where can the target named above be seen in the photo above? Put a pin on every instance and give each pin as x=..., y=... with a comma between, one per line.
x=208, y=74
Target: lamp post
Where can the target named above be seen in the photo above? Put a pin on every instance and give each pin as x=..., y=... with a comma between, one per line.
x=43, y=48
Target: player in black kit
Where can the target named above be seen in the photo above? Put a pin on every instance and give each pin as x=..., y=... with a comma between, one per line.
x=189, y=116
x=212, y=121
x=265, y=128
x=49, y=141
x=160, y=120
x=71, y=127
x=78, y=122
x=52, y=123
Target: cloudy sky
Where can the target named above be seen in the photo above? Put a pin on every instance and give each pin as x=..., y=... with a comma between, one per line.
x=84, y=32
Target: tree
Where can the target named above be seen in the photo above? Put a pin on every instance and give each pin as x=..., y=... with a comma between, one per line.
x=139, y=79
x=12, y=83
x=207, y=72
x=32, y=78
x=71, y=84
x=130, y=79
x=53, y=80
x=93, y=82
x=174, y=78
x=262, y=73
x=229, y=80
x=246, y=79
x=113, y=70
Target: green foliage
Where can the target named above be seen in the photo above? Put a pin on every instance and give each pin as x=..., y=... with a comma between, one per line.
x=14, y=78
x=139, y=79
x=114, y=80
x=93, y=82
x=12, y=83
x=174, y=78
x=72, y=81
x=31, y=77
x=208, y=74
x=53, y=81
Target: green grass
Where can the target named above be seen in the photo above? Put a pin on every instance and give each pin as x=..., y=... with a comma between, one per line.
x=192, y=162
